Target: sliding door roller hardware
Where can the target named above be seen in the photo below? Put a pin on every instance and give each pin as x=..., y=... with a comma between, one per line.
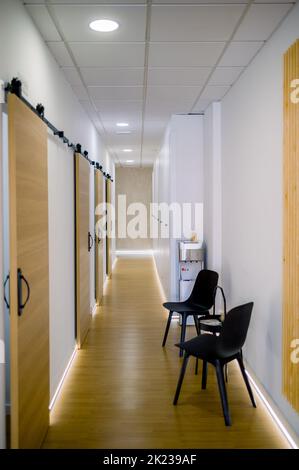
x=15, y=87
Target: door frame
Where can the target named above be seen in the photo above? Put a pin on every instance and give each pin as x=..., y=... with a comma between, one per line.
x=2, y=309
x=80, y=339
x=17, y=323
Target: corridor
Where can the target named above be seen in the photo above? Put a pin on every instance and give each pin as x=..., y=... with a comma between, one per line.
x=118, y=392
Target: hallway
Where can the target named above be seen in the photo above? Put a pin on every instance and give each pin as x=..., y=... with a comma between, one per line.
x=119, y=390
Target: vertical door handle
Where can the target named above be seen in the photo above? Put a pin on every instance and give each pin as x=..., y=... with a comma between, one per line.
x=90, y=241
x=4, y=288
x=21, y=304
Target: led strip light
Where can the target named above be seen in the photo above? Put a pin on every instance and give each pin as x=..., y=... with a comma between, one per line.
x=62, y=379
x=273, y=414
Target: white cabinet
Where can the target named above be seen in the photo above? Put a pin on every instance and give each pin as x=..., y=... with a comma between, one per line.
x=177, y=178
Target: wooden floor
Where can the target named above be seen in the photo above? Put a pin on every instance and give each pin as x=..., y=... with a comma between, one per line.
x=119, y=390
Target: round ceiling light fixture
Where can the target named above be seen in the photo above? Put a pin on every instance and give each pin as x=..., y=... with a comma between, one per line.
x=104, y=26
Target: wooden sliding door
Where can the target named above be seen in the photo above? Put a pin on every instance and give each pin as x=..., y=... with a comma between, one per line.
x=291, y=227
x=83, y=245
x=108, y=236
x=29, y=276
x=99, y=241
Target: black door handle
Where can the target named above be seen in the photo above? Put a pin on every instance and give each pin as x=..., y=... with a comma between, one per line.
x=90, y=241
x=21, y=304
x=4, y=287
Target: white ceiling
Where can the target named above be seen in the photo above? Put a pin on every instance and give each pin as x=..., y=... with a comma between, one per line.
x=167, y=57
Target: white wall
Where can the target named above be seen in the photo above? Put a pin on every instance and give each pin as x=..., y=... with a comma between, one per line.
x=178, y=177
x=252, y=164
x=212, y=187
x=24, y=54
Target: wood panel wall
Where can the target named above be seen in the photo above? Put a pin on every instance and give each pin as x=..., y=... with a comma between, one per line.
x=291, y=226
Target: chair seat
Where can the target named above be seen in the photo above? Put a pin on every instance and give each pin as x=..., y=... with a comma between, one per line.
x=206, y=347
x=185, y=307
x=211, y=323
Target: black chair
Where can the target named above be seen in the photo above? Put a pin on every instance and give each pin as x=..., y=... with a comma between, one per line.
x=212, y=323
x=218, y=351
x=199, y=302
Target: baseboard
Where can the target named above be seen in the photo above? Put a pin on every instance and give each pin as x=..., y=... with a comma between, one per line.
x=162, y=292
x=94, y=309
x=60, y=384
x=114, y=264
x=133, y=253
x=273, y=409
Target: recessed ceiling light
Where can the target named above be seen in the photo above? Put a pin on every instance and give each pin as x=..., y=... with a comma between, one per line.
x=129, y=161
x=127, y=150
x=122, y=124
x=103, y=26
x=123, y=132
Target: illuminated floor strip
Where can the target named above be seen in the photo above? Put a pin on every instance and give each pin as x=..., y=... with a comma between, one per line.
x=273, y=414
x=134, y=252
x=62, y=379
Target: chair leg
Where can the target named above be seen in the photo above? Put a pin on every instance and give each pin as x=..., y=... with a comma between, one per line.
x=181, y=378
x=196, y=322
x=204, y=375
x=222, y=391
x=246, y=380
x=183, y=332
x=167, y=329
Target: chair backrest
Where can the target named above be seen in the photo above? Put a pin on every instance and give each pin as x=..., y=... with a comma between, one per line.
x=203, y=292
x=234, y=329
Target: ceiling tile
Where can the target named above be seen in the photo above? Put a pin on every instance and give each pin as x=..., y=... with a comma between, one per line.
x=260, y=21
x=114, y=76
x=43, y=21
x=194, y=22
x=92, y=2
x=60, y=53
x=116, y=93
x=214, y=92
x=74, y=21
x=90, y=110
x=275, y=1
x=81, y=92
x=201, y=105
x=108, y=55
x=118, y=111
x=118, y=149
x=172, y=94
x=125, y=141
x=162, y=102
x=184, y=54
x=178, y=76
x=225, y=75
x=134, y=126
x=162, y=111
x=72, y=75
x=153, y=133
x=198, y=2
x=240, y=53
x=120, y=144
